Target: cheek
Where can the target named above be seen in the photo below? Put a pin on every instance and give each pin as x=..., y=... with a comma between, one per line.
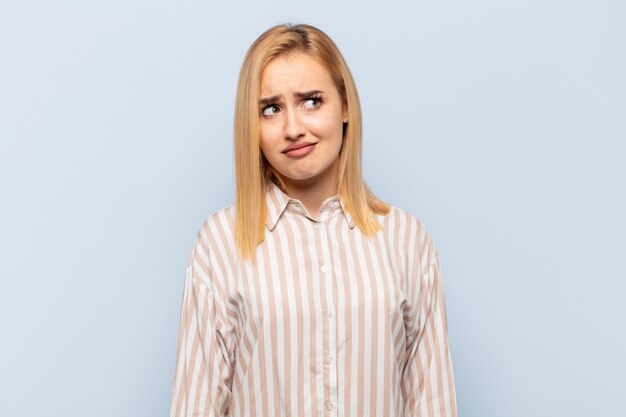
x=269, y=136
x=325, y=125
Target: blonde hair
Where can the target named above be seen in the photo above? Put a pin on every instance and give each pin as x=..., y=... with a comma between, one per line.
x=252, y=170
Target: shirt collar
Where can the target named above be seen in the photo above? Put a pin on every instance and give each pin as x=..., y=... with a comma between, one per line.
x=277, y=201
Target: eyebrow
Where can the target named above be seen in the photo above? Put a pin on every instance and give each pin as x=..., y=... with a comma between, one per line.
x=304, y=94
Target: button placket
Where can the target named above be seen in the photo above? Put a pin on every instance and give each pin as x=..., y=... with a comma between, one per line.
x=329, y=359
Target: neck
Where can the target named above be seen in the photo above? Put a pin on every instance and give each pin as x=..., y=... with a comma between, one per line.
x=313, y=191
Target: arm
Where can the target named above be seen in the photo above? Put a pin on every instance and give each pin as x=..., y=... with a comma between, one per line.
x=205, y=357
x=428, y=381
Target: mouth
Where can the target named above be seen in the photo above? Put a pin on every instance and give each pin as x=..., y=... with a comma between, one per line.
x=299, y=150
x=297, y=145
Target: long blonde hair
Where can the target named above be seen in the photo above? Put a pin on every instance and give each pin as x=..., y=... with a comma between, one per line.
x=252, y=170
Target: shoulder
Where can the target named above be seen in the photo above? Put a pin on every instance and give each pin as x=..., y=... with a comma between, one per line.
x=220, y=219
x=417, y=237
x=215, y=227
x=214, y=233
x=399, y=217
x=422, y=256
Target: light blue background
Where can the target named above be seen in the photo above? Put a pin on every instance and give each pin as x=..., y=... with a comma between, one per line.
x=500, y=124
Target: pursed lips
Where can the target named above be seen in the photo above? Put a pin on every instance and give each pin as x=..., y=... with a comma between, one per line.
x=298, y=146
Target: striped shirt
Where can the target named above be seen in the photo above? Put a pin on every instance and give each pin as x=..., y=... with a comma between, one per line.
x=330, y=323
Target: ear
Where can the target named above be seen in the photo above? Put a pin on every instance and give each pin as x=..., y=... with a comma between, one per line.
x=345, y=112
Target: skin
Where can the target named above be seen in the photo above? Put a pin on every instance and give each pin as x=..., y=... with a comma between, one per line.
x=291, y=118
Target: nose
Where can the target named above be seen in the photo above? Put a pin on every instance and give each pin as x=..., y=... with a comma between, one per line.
x=294, y=128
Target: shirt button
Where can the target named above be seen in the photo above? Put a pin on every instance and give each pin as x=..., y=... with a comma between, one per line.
x=329, y=360
x=329, y=314
x=324, y=268
x=330, y=406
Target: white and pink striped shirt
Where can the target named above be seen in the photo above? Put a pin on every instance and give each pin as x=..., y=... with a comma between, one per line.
x=330, y=323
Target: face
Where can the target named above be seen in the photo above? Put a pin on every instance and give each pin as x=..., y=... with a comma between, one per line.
x=300, y=105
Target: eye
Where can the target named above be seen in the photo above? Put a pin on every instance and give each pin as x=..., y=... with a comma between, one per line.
x=270, y=111
x=312, y=103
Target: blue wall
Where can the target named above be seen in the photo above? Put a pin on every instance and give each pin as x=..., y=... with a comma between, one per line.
x=501, y=125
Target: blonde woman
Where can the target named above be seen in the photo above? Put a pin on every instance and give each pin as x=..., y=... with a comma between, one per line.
x=309, y=296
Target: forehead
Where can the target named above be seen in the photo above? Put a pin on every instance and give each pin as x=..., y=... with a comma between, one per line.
x=294, y=72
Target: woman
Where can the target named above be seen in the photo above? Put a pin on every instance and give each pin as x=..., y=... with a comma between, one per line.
x=288, y=308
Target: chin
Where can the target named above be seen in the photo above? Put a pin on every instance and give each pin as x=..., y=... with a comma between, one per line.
x=301, y=177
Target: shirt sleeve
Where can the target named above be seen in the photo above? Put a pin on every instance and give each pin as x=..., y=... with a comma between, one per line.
x=206, y=349
x=428, y=381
